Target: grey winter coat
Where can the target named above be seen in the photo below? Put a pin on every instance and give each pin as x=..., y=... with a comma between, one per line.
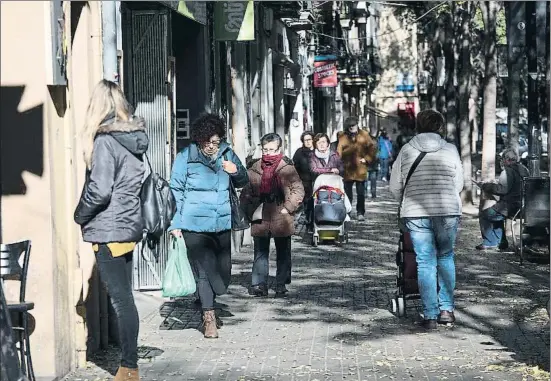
x=109, y=209
x=433, y=189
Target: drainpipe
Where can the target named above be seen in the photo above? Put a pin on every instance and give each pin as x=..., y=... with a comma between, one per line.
x=109, y=40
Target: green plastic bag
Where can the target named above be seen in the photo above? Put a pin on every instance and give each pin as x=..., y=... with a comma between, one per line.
x=179, y=280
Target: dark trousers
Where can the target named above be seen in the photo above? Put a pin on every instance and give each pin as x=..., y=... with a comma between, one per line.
x=360, y=192
x=308, y=202
x=116, y=274
x=261, y=265
x=372, y=178
x=210, y=258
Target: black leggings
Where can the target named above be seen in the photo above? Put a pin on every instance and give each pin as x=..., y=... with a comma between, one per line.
x=116, y=274
x=210, y=257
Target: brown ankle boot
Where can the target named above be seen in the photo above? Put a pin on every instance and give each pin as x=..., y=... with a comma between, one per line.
x=209, y=325
x=127, y=374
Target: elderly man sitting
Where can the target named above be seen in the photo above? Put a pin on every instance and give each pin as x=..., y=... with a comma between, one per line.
x=508, y=188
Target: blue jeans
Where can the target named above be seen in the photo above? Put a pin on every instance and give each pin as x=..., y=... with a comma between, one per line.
x=492, y=225
x=372, y=179
x=433, y=240
x=261, y=265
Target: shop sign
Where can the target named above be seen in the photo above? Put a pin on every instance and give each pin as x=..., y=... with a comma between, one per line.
x=234, y=20
x=325, y=74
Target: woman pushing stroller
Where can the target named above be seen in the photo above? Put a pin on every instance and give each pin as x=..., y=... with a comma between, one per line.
x=324, y=160
x=331, y=205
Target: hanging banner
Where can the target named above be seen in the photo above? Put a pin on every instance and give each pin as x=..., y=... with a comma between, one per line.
x=234, y=20
x=194, y=10
x=325, y=74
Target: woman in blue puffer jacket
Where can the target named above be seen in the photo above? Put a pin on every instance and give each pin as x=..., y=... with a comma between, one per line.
x=200, y=182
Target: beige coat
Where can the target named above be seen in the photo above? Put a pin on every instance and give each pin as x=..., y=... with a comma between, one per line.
x=274, y=223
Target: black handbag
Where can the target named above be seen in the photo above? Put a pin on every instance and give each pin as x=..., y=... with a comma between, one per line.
x=239, y=220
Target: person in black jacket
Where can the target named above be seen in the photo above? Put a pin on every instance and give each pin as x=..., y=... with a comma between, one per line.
x=508, y=189
x=301, y=160
x=109, y=211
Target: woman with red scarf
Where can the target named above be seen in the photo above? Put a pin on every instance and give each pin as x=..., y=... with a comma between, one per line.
x=272, y=196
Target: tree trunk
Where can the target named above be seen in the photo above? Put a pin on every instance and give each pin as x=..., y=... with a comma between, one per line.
x=236, y=59
x=489, y=11
x=450, y=52
x=515, y=12
x=473, y=110
x=464, y=78
x=438, y=41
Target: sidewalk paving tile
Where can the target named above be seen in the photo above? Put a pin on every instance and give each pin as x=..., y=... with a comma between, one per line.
x=336, y=324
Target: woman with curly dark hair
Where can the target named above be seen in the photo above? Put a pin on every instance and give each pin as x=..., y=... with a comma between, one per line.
x=200, y=181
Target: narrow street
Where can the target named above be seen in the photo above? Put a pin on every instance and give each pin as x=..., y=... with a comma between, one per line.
x=336, y=323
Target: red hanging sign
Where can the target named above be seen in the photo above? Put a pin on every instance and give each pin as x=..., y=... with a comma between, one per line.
x=325, y=74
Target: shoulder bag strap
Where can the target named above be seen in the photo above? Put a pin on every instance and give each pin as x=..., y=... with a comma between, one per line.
x=145, y=159
x=231, y=186
x=148, y=162
x=411, y=170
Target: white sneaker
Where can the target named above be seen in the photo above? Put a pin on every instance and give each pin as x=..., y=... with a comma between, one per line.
x=361, y=217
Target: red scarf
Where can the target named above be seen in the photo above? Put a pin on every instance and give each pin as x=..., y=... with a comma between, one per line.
x=270, y=180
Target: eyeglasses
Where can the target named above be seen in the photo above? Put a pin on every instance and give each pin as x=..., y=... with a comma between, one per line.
x=214, y=143
x=308, y=139
x=270, y=150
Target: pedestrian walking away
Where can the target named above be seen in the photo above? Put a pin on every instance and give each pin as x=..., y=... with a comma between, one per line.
x=373, y=172
x=431, y=211
x=275, y=192
x=384, y=155
x=109, y=211
x=508, y=189
x=357, y=150
x=200, y=181
x=301, y=160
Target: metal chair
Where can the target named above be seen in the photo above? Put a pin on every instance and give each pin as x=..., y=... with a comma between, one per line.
x=534, y=213
x=9, y=360
x=10, y=269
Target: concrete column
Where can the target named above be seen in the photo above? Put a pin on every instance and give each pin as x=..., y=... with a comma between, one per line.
x=267, y=92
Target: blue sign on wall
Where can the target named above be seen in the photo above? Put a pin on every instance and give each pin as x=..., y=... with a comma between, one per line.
x=404, y=82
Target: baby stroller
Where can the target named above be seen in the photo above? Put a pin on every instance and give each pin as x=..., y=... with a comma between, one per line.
x=406, y=279
x=331, y=209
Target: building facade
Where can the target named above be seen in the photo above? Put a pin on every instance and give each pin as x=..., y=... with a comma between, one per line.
x=42, y=167
x=172, y=68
